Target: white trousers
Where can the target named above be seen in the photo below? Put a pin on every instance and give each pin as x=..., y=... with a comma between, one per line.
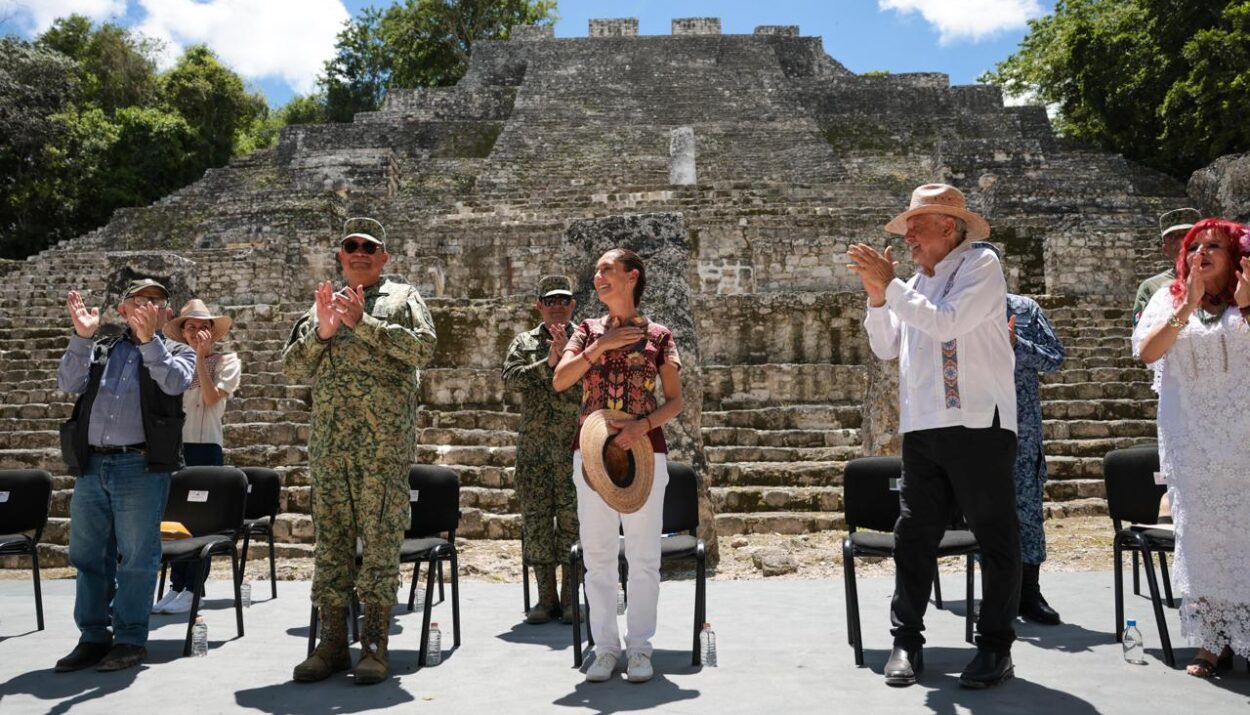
x=600, y=527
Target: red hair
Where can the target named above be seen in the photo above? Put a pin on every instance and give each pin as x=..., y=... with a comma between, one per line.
x=1232, y=231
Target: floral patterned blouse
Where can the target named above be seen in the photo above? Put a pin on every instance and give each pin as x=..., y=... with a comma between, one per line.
x=624, y=379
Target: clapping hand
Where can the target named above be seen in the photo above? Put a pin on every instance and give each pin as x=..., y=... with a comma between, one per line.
x=143, y=322
x=1011, y=329
x=328, y=319
x=350, y=304
x=1241, y=294
x=86, y=322
x=1194, y=288
x=875, y=270
x=559, y=338
x=202, y=341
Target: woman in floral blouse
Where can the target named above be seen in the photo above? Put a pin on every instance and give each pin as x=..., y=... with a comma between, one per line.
x=617, y=359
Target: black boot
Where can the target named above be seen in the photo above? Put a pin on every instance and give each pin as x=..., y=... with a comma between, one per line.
x=904, y=666
x=1033, y=606
x=987, y=670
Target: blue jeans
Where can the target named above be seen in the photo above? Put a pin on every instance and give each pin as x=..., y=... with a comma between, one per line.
x=116, y=511
x=195, y=454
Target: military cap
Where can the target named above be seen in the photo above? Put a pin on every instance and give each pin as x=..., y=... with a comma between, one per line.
x=139, y=284
x=367, y=232
x=554, y=285
x=1178, y=220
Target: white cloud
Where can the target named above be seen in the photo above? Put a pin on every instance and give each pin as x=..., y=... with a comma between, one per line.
x=286, y=39
x=37, y=15
x=968, y=19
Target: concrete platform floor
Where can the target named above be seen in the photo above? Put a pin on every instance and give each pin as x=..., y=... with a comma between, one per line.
x=782, y=649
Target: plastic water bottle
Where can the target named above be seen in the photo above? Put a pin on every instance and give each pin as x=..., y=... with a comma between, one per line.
x=199, y=637
x=707, y=645
x=434, y=651
x=1134, y=648
x=245, y=594
x=620, y=600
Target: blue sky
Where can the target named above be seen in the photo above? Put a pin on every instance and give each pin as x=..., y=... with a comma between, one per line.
x=279, y=45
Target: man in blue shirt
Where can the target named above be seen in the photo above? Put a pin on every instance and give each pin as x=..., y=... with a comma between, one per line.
x=122, y=441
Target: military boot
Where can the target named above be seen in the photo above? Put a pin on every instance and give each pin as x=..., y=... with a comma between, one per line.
x=331, y=655
x=374, y=664
x=548, y=600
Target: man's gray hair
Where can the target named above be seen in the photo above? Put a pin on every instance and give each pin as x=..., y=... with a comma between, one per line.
x=961, y=229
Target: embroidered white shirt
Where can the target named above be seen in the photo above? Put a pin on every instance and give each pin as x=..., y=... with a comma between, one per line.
x=956, y=364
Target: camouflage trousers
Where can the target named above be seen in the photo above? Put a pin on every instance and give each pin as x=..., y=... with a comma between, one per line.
x=549, y=510
x=357, y=499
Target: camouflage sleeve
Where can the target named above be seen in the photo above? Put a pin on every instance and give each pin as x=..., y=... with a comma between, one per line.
x=519, y=374
x=410, y=338
x=303, y=349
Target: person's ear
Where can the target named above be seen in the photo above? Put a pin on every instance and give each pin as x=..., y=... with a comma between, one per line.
x=572, y=304
x=385, y=256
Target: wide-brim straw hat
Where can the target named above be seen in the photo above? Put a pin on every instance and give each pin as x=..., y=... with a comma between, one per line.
x=195, y=309
x=941, y=199
x=605, y=467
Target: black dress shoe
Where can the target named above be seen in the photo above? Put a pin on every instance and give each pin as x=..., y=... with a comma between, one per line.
x=903, y=666
x=1039, y=611
x=122, y=656
x=84, y=655
x=987, y=670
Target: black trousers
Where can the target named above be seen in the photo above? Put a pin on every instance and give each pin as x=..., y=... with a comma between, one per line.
x=972, y=470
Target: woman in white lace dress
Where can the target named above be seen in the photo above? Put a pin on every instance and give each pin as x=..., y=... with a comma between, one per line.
x=1195, y=334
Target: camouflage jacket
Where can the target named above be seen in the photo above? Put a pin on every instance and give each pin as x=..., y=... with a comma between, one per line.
x=546, y=415
x=366, y=382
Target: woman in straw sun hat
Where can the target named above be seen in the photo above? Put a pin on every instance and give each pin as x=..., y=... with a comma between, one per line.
x=619, y=459
x=216, y=378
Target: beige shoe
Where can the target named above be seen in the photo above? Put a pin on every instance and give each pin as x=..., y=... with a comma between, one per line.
x=639, y=669
x=374, y=665
x=331, y=655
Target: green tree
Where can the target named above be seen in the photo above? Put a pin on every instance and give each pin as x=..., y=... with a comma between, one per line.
x=421, y=43
x=1122, y=73
x=213, y=101
x=116, y=67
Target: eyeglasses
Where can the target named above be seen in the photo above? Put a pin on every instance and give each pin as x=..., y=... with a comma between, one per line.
x=368, y=247
x=1210, y=247
x=141, y=300
x=560, y=300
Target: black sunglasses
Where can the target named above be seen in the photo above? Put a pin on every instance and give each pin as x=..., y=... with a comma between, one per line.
x=367, y=246
x=560, y=300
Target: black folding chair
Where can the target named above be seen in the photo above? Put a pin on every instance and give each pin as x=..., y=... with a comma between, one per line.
x=870, y=500
x=1133, y=498
x=24, y=498
x=210, y=503
x=263, y=488
x=431, y=538
x=681, y=514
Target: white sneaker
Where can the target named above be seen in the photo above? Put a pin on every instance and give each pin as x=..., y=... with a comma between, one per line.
x=181, y=603
x=601, y=669
x=639, y=670
x=168, y=598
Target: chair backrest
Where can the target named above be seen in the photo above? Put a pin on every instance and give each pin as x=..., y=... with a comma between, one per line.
x=867, y=500
x=1132, y=494
x=681, y=499
x=434, y=495
x=263, y=487
x=207, y=500
x=24, y=498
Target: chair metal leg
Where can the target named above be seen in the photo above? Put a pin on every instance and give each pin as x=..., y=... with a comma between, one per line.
x=971, y=572
x=34, y=572
x=273, y=566
x=937, y=588
x=238, y=596
x=1136, y=573
x=354, y=612
x=1118, y=564
x=313, y=622
x=854, y=635
x=201, y=566
x=425, y=616
x=412, y=585
x=1167, y=580
x=247, y=538
x=160, y=586
x=525, y=580
x=575, y=581
x=441, y=596
x=1157, y=602
x=700, y=604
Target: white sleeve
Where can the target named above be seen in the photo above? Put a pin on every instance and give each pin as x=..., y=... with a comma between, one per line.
x=1158, y=311
x=884, y=332
x=229, y=372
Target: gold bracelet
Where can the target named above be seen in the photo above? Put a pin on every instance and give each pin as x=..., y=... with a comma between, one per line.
x=1176, y=322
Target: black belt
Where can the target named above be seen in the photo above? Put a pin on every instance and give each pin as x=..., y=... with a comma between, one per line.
x=140, y=448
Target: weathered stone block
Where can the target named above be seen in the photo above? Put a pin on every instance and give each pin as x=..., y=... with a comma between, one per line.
x=614, y=27
x=696, y=26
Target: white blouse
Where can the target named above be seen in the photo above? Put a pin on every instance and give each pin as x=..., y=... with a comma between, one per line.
x=949, y=331
x=203, y=422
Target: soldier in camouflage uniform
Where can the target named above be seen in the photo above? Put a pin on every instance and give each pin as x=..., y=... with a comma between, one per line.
x=543, y=459
x=361, y=349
